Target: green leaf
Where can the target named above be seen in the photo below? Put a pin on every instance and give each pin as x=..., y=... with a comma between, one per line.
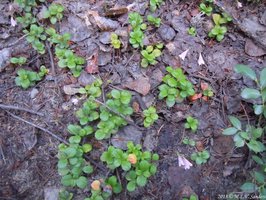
x=126, y=165
x=141, y=181
x=230, y=131
x=216, y=18
x=115, y=94
x=239, y=141
x=249, y=187
x=86, y=148
x=131, y=186
x=259, y=177
x=263, y=78
x=235, y=122
x=246, y=70
x=258, y=109
x=87, y=169
x=62, y=163
x=257, y=160
x=155, y=157
x=82, y=182
x=249, y=93
x=256, y=146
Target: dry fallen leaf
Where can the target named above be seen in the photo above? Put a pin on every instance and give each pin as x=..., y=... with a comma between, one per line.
x=204, y=86
x=141, y=85
x=92, y=64
x=13, y=22
x=135, y=106
x=195, y=97
x=184, y=54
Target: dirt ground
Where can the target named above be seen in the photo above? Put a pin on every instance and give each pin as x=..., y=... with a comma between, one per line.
x=28, y=155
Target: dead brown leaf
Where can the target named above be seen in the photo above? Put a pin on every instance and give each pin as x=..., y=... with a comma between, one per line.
x=92, y=64
x=141, y=85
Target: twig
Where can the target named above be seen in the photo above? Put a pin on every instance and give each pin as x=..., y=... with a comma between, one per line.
x=39, y=127
x=94, y=163
x=201, y=77
x=2, y=152
x=3, y=106
x=120, y=115
x=51, y=58
x=14, y=43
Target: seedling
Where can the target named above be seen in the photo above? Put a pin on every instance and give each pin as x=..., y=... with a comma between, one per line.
x=26, y=20
x=150, y=54
x=154, y=4
x=250, y=136
x=189, y=142
x=61, y=41
x=207, y=10
x=192, y=124
x=250, y=93
x=192, y=31
x=65, y=195
x=70, y=60
x=18, y=60
x=150, y=116
x=27, y=5
x=116, y=43
x=136, y=163
x=176, y=87
x=200, y=157
x=136, y=38
x=35, y=36
x=156, y=21
x=27, y=78
x=54, y=13
x=72, y=165
x=88, y=112
x=192, y=197
x=218, y=32
x=78, y=132
x=136, y=21
x=259, y=178
x=93, y=90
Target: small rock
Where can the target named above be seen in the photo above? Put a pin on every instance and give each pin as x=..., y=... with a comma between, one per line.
x=148, y=100
x=51, y=193
x=126, y=134
x=5, y=56
x=34, y=93
x=105, y=38
x=86, y=79
x=166, y=32
x=104, y=58
x=253, y=50
x=150, y=141
x=71, y=89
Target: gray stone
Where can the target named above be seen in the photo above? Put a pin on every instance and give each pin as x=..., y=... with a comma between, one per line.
x=51, y=193
x=105, y=38
x=166, y=32
x=253, y=50
x=126, y=134
x=34, y=93
x=150, y=141
x=104, y=58
x=5, y=56
x=86, y=79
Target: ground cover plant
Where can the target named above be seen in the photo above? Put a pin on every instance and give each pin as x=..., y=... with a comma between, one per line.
x=112, y=100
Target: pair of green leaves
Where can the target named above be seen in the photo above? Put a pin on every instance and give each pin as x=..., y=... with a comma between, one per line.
x=249, y=137
x=150, y=116
x=150, y=54
x=200, y=157
x=116, y=43
x=192, y=124
x=156, y=21
x=54, y=13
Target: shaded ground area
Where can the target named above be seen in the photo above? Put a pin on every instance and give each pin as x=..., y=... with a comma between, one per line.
x=28, y=155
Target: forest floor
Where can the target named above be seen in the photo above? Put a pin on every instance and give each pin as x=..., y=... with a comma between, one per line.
x=28, y=155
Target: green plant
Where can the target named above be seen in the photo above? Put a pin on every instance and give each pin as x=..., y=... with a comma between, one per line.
x=26, y=20
x=35, y=36
x=27, y=5
x=150, y=116
x=65, y=195
x=176, y=86
x=206, y=90
x=54, y=13
x=150, y=54
x=200, y=157
x=156, y=21
x=61, y=41
x=250, y=136
x=258, y=183
x=27, y=78
x=206, y=9
x=154, y=4
x=192, y=124
x=88, y=112
x=134, y=161
x=192, y=197
x=137, y=35
x=192, y=31
x=18, y=60
x=250, y=93
x=116, y=43
x=189, y=142
x=70, y=60
x=218, y=32
x=94, y=89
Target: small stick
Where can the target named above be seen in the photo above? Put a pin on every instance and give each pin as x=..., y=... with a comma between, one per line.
x=39, y=127
x=14, y=43
x=3, y=106
x=94, y=163
x=51, y=58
